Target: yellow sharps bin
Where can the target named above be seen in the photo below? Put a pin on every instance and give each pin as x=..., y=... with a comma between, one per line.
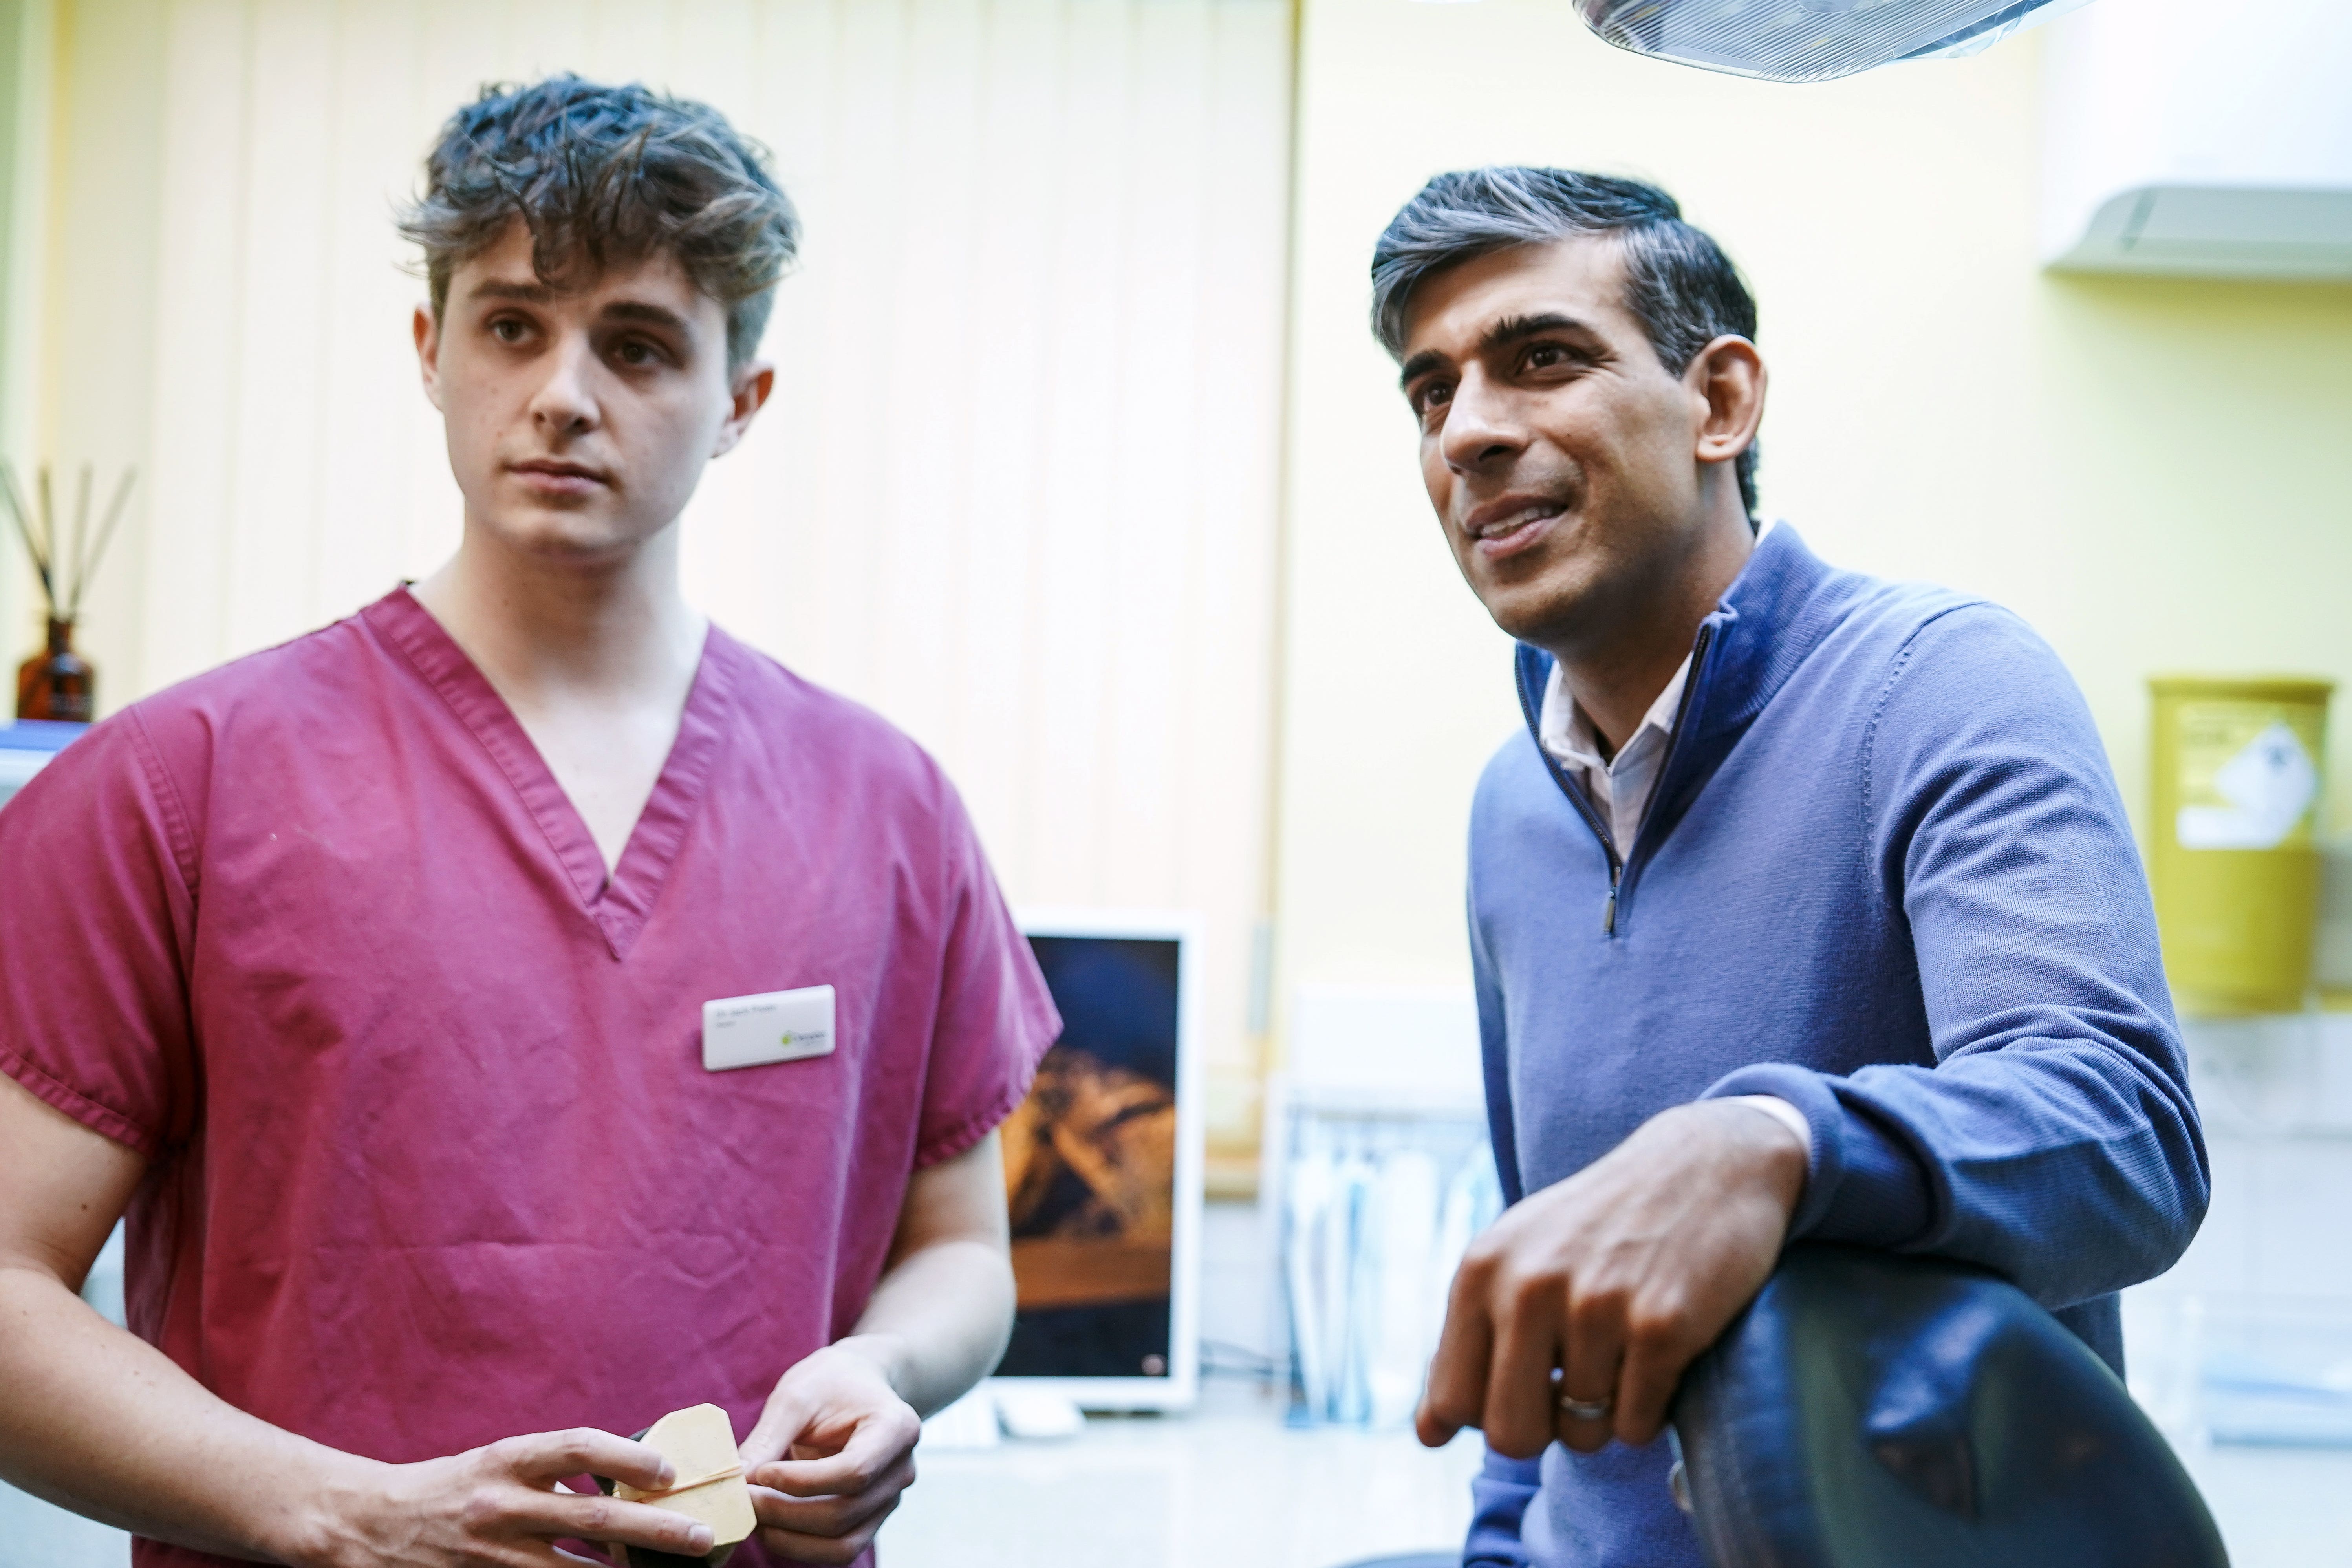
x=2235, y=866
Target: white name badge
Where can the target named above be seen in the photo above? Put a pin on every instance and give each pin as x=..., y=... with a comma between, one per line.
x=780, y=1027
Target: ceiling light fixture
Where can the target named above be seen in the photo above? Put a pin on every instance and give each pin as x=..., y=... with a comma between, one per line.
x=1809, y=40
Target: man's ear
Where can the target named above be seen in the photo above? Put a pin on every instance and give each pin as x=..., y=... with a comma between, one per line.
x=428, y=333
x=1728, y=378
x=748, y=390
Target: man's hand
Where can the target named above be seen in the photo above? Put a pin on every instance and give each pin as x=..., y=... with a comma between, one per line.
x=503, y=1505
x=830, y=1455
x=1616, y=1279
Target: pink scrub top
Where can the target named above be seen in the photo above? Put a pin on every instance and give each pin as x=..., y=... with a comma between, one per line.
x=434, y=1159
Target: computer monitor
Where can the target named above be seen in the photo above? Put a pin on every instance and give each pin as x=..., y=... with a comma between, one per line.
x=1102, y=1167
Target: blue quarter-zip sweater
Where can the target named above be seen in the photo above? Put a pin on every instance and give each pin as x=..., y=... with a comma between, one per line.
x=1885, y=874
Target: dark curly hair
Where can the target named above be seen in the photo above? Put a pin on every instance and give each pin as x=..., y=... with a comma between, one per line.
x=1678, y=282
x=603, y=174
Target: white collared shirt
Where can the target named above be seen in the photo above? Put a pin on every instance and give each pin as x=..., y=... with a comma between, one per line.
x=1620, y=788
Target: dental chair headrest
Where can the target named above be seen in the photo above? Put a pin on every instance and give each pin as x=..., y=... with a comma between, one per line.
x=1870, y=1411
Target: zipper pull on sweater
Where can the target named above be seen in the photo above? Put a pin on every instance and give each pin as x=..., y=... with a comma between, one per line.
x=1608, y=910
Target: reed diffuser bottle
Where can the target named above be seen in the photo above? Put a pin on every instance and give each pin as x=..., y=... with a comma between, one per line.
x=58, y=683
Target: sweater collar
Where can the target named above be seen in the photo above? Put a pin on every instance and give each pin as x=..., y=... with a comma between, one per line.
x=1781, y=604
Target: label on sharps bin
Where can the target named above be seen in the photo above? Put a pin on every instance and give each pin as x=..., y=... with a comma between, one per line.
x=775, y=1026
x=2248, y=780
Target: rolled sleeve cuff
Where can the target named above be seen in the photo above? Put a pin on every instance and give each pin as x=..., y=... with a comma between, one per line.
x=1863, y=1184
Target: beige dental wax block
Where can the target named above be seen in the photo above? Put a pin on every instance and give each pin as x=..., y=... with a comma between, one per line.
x=699, y=1445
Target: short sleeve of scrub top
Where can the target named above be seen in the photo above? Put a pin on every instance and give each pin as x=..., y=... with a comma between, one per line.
x=96, y=913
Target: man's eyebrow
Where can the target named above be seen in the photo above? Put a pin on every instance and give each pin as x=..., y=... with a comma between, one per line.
x=651, y=315
x=1419, y=365
x=619, y=310
x=1503, y=332
x=1518, y=329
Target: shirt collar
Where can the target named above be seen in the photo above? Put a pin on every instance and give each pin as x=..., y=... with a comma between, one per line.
x=1567, y=731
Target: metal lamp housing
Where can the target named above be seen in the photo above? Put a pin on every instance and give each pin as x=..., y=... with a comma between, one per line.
x=1809, y=40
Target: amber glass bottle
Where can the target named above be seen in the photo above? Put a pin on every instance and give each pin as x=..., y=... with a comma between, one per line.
x=58, y=683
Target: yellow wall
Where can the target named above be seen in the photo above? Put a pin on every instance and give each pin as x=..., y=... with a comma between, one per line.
x=2153, y=473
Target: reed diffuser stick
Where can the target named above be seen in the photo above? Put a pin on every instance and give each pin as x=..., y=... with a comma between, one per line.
x=80, y=537
x=105, y=537
x=16, y=498
x=48, y=527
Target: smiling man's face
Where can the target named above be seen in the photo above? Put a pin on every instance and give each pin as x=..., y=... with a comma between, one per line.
x=579, y=421
x=1561, y=454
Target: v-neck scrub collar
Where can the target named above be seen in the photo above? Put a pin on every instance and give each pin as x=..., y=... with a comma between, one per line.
x=620, y=904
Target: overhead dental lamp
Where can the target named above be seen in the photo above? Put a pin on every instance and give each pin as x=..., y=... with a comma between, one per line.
x=1809, y=40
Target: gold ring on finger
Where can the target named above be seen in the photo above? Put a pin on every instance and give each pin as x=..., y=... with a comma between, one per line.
x=1587, y=1409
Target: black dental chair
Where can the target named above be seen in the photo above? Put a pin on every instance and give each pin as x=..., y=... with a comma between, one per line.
x=1870, y=1411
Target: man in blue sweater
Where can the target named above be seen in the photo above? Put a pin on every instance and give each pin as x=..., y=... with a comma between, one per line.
x=1805, y=907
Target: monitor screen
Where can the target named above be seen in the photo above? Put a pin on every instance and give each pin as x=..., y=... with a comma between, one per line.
x=1096, y=1173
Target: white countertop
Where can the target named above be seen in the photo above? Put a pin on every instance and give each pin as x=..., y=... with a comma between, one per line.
x=1228, y=1486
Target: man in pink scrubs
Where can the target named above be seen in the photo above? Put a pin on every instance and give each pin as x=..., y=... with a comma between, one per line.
x=374, y=976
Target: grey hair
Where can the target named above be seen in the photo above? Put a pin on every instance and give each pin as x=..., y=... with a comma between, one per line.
x=1678, y=282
